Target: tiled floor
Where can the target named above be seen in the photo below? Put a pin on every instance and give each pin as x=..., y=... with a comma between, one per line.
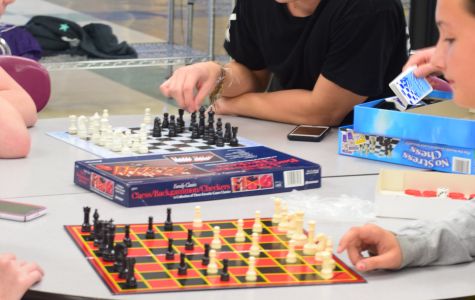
x=121, y=90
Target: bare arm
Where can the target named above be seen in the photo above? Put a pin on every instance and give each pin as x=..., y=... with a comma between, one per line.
x=327, y=104
x=18, y=98
x=14, y=136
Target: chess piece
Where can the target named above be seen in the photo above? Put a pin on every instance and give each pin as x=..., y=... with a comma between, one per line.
x=212, y=268
x=150, y=234
x=197, y=221
x=86, y=226
x=255, y=250
x=277, y=210
x=182, y=268
x=205, y=258
x=127, y=241
x=170, y=254
x=72, y=129
x=298, y=235
x=251, y=274
x=257, y=226
x=224, y=271
x=168, y=225
x=291, y=257
x=216, y=242
x=189, y=241
x=310, y=248
x=240, y=234
x=131, y=281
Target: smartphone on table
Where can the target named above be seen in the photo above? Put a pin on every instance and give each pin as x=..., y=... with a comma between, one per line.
x=309, y=133
x=22, y=212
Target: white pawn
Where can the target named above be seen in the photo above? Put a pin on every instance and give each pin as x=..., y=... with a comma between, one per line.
x=240, y=234
x=251, y=274
x=126, y=150
x=143, y=148
x=310, y=248
x=277, y=211
x=254, y=250
x=291, y=257
x=212, y=268
x=96, y=137
x=147, y=119
x=197, y=221
x=257, y=226
x=72, y=125
x=117, y=141
x=216, y=242
x=105, y=114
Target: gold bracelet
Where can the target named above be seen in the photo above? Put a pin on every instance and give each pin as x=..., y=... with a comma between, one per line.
x=218, y=89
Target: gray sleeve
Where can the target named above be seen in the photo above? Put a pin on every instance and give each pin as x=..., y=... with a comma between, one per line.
x=448, y=241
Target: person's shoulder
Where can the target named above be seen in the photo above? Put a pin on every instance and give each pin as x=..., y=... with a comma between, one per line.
x=365, y=7
x=256, y=4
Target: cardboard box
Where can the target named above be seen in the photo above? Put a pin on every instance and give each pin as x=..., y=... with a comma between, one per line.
x=410, y=194
x=438, y=123
x=406, y=152
x=196, y=176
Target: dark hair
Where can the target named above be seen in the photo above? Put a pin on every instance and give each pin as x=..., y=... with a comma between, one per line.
x=471, y=6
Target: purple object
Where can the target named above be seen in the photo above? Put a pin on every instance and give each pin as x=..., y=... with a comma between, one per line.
x=20, y=41
x=30, y=75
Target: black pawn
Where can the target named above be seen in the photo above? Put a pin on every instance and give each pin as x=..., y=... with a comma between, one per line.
x=131, y=281
x=127, y=241
x=194, y=132
x=219, y=125
x=234, y=141
x=219, y=139
x=168, y=226
x=189, y=241
x=165, y=122
x=205, y=259
x=182, y=269
x=119, y=259
x=170, y=254
x=192, y=120
x=86, y=226
x=224, y=271
x=227, y=132
x=157, y=128
x=150, y=234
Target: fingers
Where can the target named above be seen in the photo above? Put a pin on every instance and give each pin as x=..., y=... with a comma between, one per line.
x=425, y=70
x=386, y=260
x=7, y=257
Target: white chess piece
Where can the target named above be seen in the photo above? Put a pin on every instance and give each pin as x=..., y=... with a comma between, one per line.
x=328, y=265
x=212, y=268
x=251, y=274
x=255, y=250
x=298, y=235
x=291, y=257
x=310, y=248
x=240, y=234
x=216, y=242
x=147, y=119
x=277, y=210
x=284, y=219
x=72, y=129
x=321, y=240
x=257, y=226
x=442, y=192
x=197, y=221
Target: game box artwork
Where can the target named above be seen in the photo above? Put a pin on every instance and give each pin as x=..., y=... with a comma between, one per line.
x=196, y=176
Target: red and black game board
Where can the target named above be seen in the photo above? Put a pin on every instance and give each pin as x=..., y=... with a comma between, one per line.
x=156, y=274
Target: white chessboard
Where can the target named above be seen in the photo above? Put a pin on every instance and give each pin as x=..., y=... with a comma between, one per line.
x=157, y=145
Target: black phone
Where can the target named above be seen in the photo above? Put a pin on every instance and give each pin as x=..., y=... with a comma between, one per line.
x=309, y=133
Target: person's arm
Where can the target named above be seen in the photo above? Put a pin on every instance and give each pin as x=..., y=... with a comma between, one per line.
x=16, y=276
x=14, y=137
x=447, y=242
x=18, y=98
x=327, y=104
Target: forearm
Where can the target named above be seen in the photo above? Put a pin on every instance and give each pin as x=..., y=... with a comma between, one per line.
x=18, y=98
x=289, y=106
x=447, y=242
x=14, y=136
x=240, y=80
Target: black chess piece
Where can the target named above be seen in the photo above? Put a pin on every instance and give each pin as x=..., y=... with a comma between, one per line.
x=194, y=132
x=170, y=254
x=150, y=234
x=119, y=257
x=86, y=226
x=211, y=136
x=168, y=225
x=211, y=116
x=109, y=254
x=130, y=280
x=165, y=122
x=123, y=269
x=189, y=245
x=219, y=139
x=224, y=271
x=234, y=141
x=98, y=230
x=192, y=120
x=157, y=128
x=227, y=132
x=219, y=125
x=127, y=241
x=182, y=268
x=205, y=258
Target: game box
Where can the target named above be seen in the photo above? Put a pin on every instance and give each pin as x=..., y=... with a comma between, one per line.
x=421, y=194
x=406, y=152
x=196, y=176
x=440, y=122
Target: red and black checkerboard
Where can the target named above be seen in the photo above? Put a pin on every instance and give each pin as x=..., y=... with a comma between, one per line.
x=156, y=274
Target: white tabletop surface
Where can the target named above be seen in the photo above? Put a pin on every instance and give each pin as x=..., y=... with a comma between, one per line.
x=46, y=178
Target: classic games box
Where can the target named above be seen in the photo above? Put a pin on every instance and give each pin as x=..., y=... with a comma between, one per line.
x=196, y=176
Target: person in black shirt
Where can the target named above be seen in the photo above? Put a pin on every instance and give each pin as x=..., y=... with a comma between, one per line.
x=326, y=55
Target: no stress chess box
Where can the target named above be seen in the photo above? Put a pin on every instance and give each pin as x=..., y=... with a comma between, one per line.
x=406, y=152
x=196, y=176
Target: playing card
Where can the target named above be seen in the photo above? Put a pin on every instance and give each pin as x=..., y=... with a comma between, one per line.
x=409, y=89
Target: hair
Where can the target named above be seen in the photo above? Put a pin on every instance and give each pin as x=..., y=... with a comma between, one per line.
x=470, y=4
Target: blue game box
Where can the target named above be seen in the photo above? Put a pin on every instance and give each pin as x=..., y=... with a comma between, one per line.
x=442, y=123
x=196, y=176
x=406, y=152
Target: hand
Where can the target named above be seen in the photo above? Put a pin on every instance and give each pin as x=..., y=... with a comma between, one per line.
x=422, y=59
x=16, y=276
x=381, y=244
x=189, y=85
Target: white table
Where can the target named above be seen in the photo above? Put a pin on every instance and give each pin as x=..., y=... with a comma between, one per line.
x=46, y=178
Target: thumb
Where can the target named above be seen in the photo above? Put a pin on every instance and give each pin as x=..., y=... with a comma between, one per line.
x=384, y=261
